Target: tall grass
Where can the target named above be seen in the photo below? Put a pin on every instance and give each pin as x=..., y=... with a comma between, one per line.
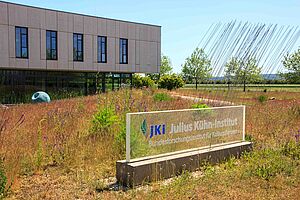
x=62, y=133
x=3, y=180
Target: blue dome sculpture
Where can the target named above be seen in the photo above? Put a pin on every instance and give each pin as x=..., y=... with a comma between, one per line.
x=40, y=97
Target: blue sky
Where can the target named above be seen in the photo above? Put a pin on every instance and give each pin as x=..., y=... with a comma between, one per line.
x=183, y=22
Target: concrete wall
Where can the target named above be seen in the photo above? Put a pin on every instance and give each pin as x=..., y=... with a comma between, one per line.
x=144, y=41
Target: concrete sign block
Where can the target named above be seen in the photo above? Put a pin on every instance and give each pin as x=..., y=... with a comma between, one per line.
x=153, y=137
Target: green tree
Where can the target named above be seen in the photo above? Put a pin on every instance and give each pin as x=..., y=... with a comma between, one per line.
x=243, y=72
x=170, y=81
x=197, y=67
x=248, y=72
x=165, y=68
x=292, y=64
x=166, y=65
x=231, y=68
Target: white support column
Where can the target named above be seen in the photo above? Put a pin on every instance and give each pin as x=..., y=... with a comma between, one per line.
x=127, y=137
x=244, y=122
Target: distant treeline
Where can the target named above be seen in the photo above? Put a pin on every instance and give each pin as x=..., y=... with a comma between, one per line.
x=264, y=81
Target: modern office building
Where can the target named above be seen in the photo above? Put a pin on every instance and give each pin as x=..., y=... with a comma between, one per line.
x=49, y=50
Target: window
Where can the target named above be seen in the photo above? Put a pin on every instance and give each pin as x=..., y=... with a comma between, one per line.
x=51, y=45
x=123, y=51
x=77, y=47
x=102, y=49
x=21, y=42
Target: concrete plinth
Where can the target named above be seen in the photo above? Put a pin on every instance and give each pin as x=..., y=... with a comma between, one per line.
x=149, y=169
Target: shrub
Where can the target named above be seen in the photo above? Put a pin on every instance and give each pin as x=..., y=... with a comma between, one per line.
x=138, y=144
x=3, y=180
x=200, y=105
x=262, y=98
x=208, y=169
x=202, y=112
x=139, y=81
x=170, y=82
x=103, y=120
x=64, y=94
x=268, y=163
x=292, y=150
x=154, y=77
x=162, y=97
x=249, y=138
x=120, y=140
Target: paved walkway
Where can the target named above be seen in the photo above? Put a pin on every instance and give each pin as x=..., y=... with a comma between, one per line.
x=207, y=101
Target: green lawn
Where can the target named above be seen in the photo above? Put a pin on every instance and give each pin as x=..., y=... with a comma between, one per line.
x=251, y=87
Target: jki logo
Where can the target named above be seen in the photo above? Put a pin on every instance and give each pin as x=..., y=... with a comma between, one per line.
x=157, y=129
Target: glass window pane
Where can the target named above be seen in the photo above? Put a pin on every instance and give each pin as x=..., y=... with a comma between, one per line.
x=99, y=49
x=103, y=48
x=24, y=41
x=79, y=37
x=54, y=54
x=75, y=43
x=48, y=42
x=103, y=58
x=53, y=43
x=48, y=34
x=18, y=32
x=24, y=31
x=53, y=34
x=121, y=59
x=123, y=50
x=18, y=50
x=79, y=48
x=48, y=53
x=24, y=52
x=74, y=39
x=80, y=56
x=74, y=54
x=99, y=57
x=18, y=42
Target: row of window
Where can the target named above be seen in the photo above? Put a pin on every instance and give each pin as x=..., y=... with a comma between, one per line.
x=51, y=46
x=17, y=86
